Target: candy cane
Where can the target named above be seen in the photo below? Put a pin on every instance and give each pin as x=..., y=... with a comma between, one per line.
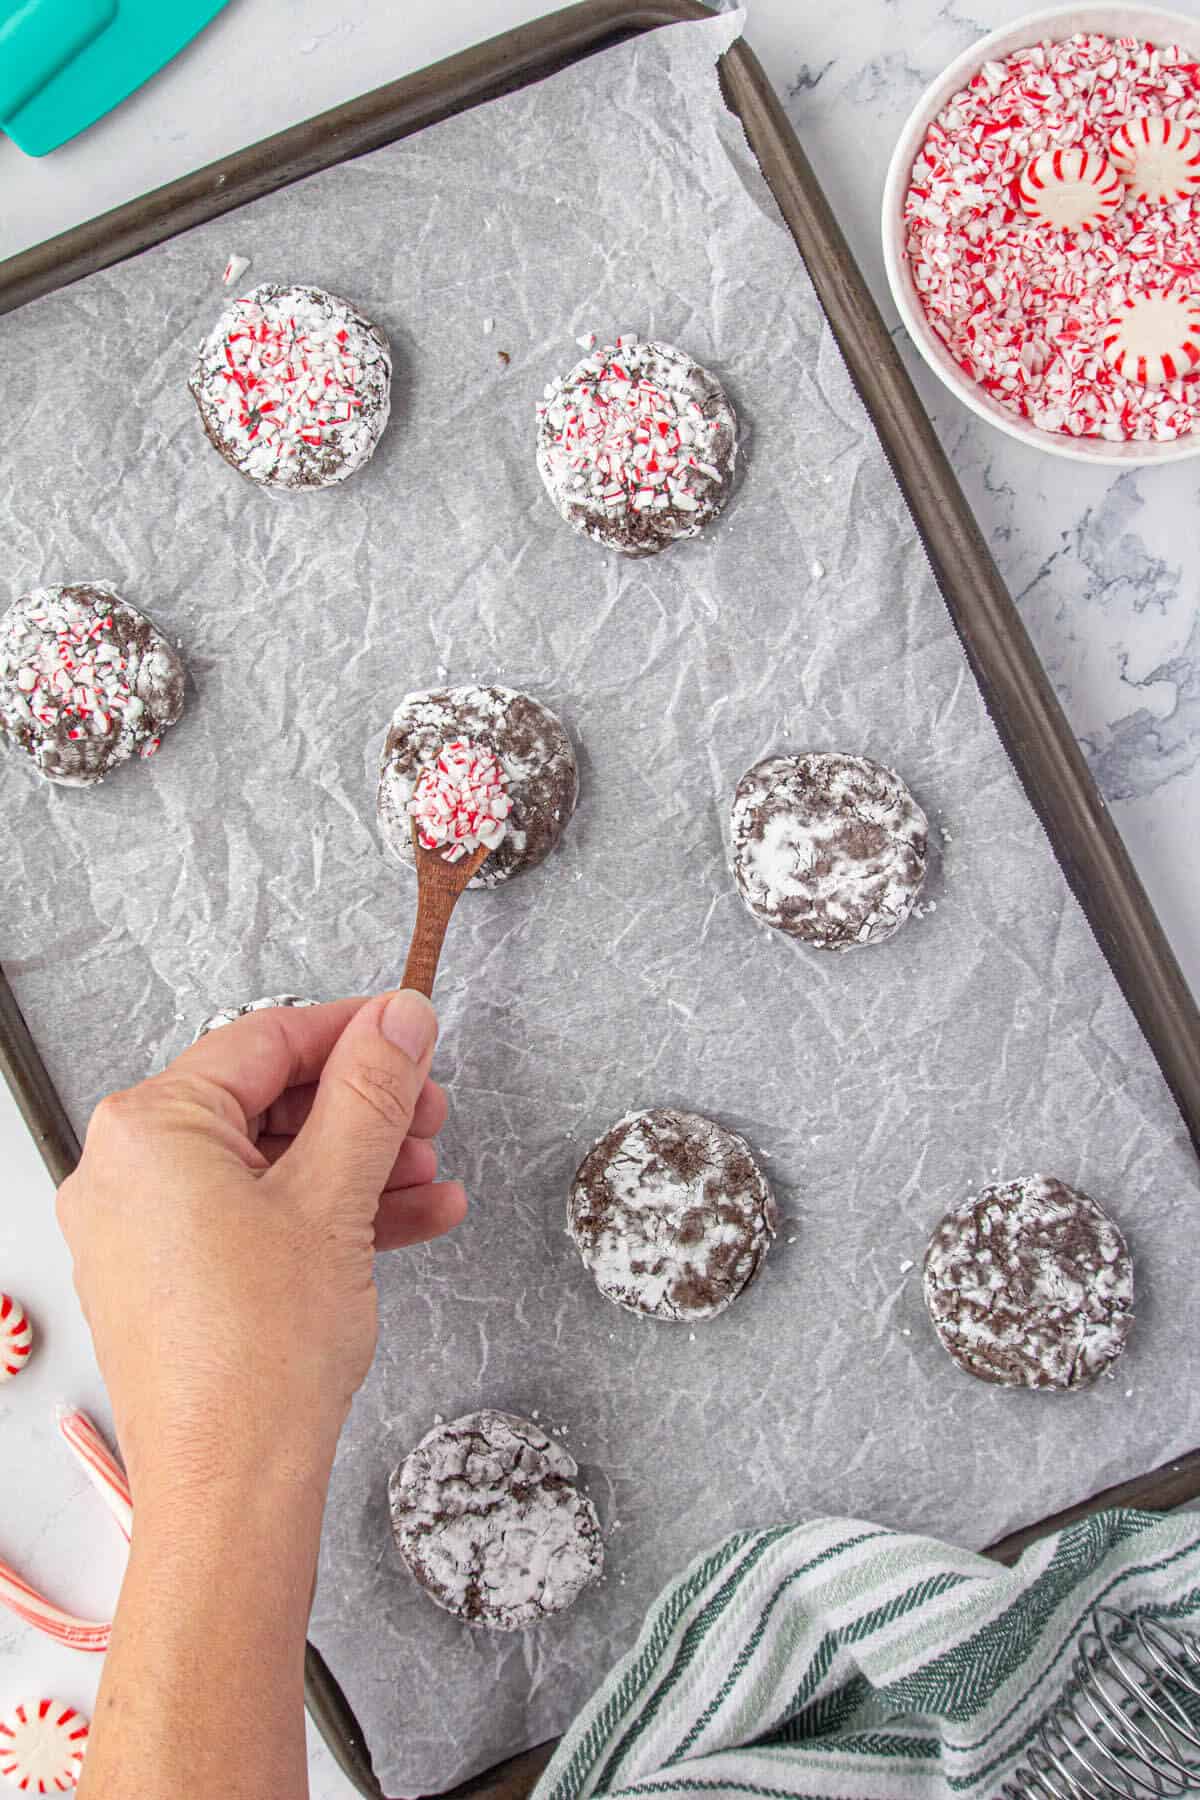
x=44, y=1616
x=108, y=1478
x=99, y=1465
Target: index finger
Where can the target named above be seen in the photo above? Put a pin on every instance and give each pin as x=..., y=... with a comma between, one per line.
x=259, y=1056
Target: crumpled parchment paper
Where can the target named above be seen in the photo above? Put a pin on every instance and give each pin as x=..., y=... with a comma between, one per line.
x=878, y=1088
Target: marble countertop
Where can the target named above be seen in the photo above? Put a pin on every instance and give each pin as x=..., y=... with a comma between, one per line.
x=1105, y=570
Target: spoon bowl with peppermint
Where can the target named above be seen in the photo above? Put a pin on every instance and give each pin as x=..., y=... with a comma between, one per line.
x=457, y=816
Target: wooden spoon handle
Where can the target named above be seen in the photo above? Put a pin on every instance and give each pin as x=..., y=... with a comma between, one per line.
x=434, y=906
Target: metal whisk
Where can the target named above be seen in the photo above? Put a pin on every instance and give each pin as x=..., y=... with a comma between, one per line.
x=1129, y=1723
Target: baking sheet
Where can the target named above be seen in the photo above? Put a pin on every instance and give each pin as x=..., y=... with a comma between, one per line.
x=878, y=1088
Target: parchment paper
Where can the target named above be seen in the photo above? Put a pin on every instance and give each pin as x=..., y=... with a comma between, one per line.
x=878, y=1087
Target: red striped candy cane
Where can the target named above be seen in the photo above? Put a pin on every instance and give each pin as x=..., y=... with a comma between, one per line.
x=99, y=1465
x=44, y=1616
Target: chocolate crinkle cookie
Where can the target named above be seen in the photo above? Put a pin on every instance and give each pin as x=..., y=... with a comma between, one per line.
x=228, y=1014
x=1030, y=1284
x=636, y=446
x=293, y=386
x=486, y=1515
x=528, y=741
x=86, y=681
x=671, y=1214
x=828, y=848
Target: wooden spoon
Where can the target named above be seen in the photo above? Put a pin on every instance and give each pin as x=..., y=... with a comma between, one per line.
x=439, y=883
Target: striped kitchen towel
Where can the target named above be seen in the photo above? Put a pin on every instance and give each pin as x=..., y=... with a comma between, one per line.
x=842, y=1660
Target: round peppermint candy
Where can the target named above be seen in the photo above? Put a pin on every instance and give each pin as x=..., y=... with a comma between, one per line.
x=16, y=1337
x=42, y=1743
x=293, y=386
x=1154, y=338
x=1159, y=160
x=1070, y=190
x=86, y=681
x=636, y=446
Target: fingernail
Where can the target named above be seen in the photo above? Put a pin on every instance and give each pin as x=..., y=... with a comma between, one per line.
x=409, y=1022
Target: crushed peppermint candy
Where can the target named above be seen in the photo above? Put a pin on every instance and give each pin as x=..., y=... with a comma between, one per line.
x=1024, y=307
x=636, y=445
x=460, y=801
x=293, y=386
x=86, y=681
x=235, y=268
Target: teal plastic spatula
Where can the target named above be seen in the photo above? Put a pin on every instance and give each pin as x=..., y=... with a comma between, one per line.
x=65, y=63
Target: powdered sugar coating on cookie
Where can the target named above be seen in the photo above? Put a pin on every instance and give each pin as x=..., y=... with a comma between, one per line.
x=529, y=743
x=636, y=446
x=828, y=848
x=293, y=386
x=228, y=1014
x=671, y=1214
x=1030, y=1284
x=86, y=681
x=487, y=1517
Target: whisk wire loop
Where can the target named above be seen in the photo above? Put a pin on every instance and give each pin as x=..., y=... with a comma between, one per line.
x=1128, y=1724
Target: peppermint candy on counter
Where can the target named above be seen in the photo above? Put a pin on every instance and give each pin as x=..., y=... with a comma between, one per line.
x=66, y=1628
x=42, y=1743
x=16, y=1337
x=1070, y=190
x=111, y=1483
x=1024, y=311
x=1154, y=338
x=1159, y=159
x=460, y=801
x=99, y=1465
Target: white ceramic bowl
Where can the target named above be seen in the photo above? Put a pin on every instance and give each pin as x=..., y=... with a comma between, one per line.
x=1060, y=22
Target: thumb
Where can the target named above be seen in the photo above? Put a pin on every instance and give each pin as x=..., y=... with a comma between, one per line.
x=366, y=1096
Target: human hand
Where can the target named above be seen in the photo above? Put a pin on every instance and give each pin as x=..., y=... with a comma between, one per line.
x=223, y=1220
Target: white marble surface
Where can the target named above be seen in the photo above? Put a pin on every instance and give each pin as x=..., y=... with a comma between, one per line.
x=1105, y=572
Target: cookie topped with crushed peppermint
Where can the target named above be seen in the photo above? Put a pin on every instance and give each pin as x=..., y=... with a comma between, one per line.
x=86, y=681
x=293, y=386
x=636, y=446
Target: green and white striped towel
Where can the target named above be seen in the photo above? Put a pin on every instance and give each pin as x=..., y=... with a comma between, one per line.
x=845, y=1661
